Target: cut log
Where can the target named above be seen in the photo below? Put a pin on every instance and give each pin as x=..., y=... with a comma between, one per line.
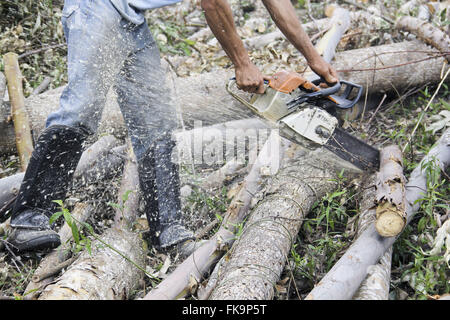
x=376, y=285
x=220, y=143
x=258, y=256
x=426, y=32
x=110, y=272
x=390, y=198
x=344, y=278
x=22, y=127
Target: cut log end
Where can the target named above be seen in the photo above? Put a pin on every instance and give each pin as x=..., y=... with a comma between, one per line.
x=390, y=220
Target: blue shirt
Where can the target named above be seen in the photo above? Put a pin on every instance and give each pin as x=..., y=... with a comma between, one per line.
x=133, y=10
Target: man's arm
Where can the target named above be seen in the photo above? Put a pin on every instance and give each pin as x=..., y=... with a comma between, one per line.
x=283, y=14
x=248, y=77
x=220, y=20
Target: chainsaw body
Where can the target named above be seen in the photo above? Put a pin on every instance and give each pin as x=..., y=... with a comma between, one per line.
x=309, y=115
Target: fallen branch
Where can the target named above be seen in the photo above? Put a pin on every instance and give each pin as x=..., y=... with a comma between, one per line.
x=426, y=32
x=344, y=278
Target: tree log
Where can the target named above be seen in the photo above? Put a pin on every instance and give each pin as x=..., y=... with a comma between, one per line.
x=259, y=254
x=344, y=278
x=376, y=284
x=105, y=274
x=392, y=68
x=426, y=32
x=22, y=127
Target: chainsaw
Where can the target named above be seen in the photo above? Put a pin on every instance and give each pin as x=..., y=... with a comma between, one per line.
x=310, y=115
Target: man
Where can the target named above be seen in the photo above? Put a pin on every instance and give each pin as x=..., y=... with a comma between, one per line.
x=109, y=43
x=248, y=77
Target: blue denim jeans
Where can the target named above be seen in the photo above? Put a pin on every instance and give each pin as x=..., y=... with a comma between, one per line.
x=106, y=50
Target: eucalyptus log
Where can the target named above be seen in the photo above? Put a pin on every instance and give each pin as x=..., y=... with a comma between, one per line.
x=22, y=127
x=344, y=278
x=390, y=198
x=426, y=32
x=113, y=270
x=377, y=283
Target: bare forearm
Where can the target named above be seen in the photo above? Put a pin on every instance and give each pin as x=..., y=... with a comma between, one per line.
x=220, y=20
x=283, y=14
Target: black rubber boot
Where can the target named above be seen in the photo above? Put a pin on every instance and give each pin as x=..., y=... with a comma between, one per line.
x=47, y=178
x=160, y=188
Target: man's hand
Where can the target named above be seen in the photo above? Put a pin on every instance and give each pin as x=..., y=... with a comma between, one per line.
x=250, y=79
x=325, y=70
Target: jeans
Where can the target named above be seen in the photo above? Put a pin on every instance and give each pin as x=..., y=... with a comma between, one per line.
x=105, y=50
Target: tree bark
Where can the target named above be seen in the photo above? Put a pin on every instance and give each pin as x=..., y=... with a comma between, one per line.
x=105, y=274
x=343, y=280
x=390, y=197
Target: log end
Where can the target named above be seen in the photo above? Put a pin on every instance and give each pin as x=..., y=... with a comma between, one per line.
x=390, y=221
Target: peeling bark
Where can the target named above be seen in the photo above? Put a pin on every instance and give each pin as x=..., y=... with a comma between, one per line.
x=344, y=278
x=390, y=196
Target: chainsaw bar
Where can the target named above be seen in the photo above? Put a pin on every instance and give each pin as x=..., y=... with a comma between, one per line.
x=353, y=150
